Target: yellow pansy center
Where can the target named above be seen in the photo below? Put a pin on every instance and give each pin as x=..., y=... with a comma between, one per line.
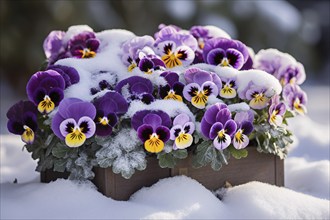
x=299, y=107
x=227, y=91
x=225, y=62
x=46, y=106
x=104, y=121
x=239, y=136
x=87, y=53
x=172, y=60
x=200, y=98
x=76, y=138
x=183, y=140
x=171, y=95
x=154, y=144
x=28, y=135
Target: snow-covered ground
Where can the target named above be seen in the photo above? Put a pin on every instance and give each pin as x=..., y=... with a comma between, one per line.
x=306, y=194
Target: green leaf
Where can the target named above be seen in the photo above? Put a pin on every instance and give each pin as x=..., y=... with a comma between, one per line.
x=180, y=154
x=166, y=161
x=60, y=151
x=59, y=165
x=238, y=154
x=288, y=114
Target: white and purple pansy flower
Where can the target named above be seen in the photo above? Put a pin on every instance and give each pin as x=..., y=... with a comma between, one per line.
x=244, y=121
x=293, y=73
x=45, y=89
x=225, y=52
x=74, y=121
x=295, y=98
x=257, y=95
x=136, y=88
x=108, y=108
x=276, y=111
x=181, y=132
x=152, y=128
x=23, y=120
x=84, y=45
x=218, y=126
x=174, y=47
x=229, y=88
x=132, y=49
x=200, y=85
x=173, y=89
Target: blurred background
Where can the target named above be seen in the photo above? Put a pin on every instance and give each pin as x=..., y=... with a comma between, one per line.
x=300, y=28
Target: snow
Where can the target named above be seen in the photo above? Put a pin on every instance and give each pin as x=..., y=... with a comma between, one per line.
x=305, y=195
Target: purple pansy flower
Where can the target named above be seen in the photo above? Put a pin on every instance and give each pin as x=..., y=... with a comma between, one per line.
x=74, y=121
x=23, y=120
x=200, y=85
x=150, y=63
x=69, y=74
x=173, y=90
x=53, y=46
x=136, y=88
x=152, y=128
x=174, y=47
x=181, y=132
x=218, y=126
x=293, y=73
x=132, y=49
x=229, y=88
x=45, y=89
x=225, y=52
x=203, y=34
x=108, y=108
x=244, y=121
x=256, y=95
x=269, y=61
x=84, y=45
x=276, y=111
x=295, y=98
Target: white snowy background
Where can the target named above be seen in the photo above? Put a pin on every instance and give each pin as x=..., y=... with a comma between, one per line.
x=305, y=195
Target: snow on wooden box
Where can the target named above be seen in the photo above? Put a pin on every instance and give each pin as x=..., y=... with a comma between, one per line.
x=257, y=166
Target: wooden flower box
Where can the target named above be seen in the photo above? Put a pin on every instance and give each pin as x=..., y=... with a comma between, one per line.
x=257, y=166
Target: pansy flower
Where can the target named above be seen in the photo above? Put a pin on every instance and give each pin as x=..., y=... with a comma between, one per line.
x=174, y=88
x=295, y=98
x=103, y=85
x=73, y=122
x=181, y=132
x=229, y=88
x=218, y=126
x=84, y=45
x=203, y=34
x=136, y=88
x=45, y=89
x=54, y=48
x=293, y=73
x=69, y=74
x=150, y=63
x=174, y=47
x=257, y=95
x=152, y=128
x=276, y=111
x=108, y=108
x=244, y=121
x=23, y=120
x=200, y=85
x=225, y=52
x=132, y=49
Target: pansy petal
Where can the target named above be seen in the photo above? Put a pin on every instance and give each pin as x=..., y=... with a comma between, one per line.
x=209, y=88
x=185, y=54
x=190, y=91
x=189, y=127
x=152, y=119
x=247, y=127
x=181, y=119
x=205, y=128
x=216, y=127
x=230, y=127
x=215, y=56
x=87, y=126
x=223, y=115
x=183, y=141
x=202, y=77
x=235, y=57
x=67, y=126
x=240, y=140
x=163, y=133
x=222, y=143
x=147, y=98
x=211, y=113
x=103, y=130
x=175, y=131
x=144, y=132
